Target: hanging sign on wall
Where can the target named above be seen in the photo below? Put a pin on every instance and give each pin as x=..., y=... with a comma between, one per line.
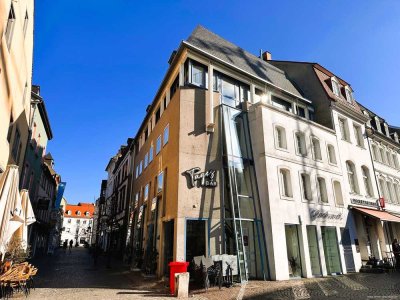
x=201, y=179
x=324, y=215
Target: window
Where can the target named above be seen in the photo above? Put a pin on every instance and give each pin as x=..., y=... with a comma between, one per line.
x=389, y=187
x=335, y=87
x=158, y=145
x=16, y=145
x=26, y=20
x=140, y=167
x=382, y=187
x=10, y=26
x=306, y=186
x=311, y=114
x=349, y=95
x=383, y=156
x=146, y=160
x=395, y=161
x=68, y=230
x=160, y=183
x=158, y=114
x=352, y=177
x=367, y=181
x=146, y=192
x=323, y=194
x=392, y=190
x=137, y=172
x=166, y=135
x=301, y=111
x=316, y=148
x=84, y=222
x=359, y=136
x=332, y=154
x=338, y=192
x=78, y=213
x=165, y=102
x=69, y=220
x=68, y=212
x=280, y=136
x=197, y=74
x=174, y=87
x=78, y=221
x=375, y=153
x=389, y=159
x=344, y=131
x=151, y=153
x=286, y=183
x=397, y=192
x=87, y=214
x=10, y=127
x=282, y=104
x=301, y=148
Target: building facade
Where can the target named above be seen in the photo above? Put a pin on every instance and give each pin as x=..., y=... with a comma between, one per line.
x=78, y=223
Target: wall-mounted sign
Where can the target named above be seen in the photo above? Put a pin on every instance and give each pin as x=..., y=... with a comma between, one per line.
x=201, y=179
x=363, y=202
x=325, y=215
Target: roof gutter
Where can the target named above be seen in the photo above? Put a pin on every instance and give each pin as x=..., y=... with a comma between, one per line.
x=245, y=72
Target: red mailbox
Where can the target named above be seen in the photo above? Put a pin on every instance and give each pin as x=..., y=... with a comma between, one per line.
x=176, y=267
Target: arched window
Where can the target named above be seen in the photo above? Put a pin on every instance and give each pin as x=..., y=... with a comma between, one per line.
x=332, y=154
x=382, y=187
x=367, y=181
x=391, y=191
x=301, y=148
x=375, y=153
x=352, y=177
x=286, y=183
x=323, y=194
x=68, y=212
x=306, y=186
x=280, y=137
x=78, y=213
x=316, y=148
x=338, y=192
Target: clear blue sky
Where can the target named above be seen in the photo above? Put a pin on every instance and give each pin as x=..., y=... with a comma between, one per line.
x=99, y=63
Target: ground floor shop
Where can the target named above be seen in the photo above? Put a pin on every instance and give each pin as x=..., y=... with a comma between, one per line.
x=376, y=230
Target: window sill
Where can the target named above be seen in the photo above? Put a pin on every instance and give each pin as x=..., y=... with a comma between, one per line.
x=282, y=149
x=302, y=155
x=287, y=198
x=323, y=203
x=347, y=141
x=332, y=164
x=361, y=147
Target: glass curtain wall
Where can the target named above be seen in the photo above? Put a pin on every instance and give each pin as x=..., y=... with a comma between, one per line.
x=243, y=228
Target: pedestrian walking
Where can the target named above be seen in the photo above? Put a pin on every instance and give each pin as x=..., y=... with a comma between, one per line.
x=71, y=242
x=65, y=245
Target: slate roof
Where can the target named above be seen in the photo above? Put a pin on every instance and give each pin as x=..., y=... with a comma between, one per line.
x=232, y=54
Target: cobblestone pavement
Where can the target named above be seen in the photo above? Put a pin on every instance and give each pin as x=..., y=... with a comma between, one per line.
x=73, y=276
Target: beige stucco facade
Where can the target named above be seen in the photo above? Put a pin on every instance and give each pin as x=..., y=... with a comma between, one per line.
x=16, y=54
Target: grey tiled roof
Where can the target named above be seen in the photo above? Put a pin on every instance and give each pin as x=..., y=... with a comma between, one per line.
x=232, y=54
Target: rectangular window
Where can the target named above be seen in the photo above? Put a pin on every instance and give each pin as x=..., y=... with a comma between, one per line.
x=344, y=131
x=16, y=145
x=323, y=194
x=146, y=192
x=158, y=145
x=282, y=104
x=165, y=102
x=151, y=153
x=301, y=144
x=359, y=136
x=146, y=160
x=301, y=111
x=10, y=26
x=166, y=135
x=137, y=172
x=198, y=74
x=160, y=182
x=158, y=114
x=141, y=167
x=335, y=87
x=306, y=186
x=174, y=87
x=338, y=192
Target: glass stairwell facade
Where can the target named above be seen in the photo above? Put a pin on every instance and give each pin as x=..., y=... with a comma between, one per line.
x=243, y=228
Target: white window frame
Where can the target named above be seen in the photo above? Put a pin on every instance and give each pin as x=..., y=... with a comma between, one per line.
x=301, y=145
x=316, y=148
x=322, y=190
x=331, y=159
x=306, y=187
x=285, y=183
x=335, y=87
x=335, y=192
x=280, y=143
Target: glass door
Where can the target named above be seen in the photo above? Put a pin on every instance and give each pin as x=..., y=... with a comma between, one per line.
x=331, y=249
x=313, y=250
x=293, y=251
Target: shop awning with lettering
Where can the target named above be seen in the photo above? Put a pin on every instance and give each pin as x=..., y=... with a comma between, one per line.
x=378, y=214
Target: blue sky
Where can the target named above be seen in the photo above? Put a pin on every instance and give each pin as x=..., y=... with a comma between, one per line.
x=99, y=63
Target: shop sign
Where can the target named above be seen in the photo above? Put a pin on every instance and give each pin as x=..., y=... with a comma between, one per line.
x=201, y=179
x=324, y=215
x=363, y=202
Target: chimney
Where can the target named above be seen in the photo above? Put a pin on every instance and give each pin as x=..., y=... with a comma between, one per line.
x=266, y=56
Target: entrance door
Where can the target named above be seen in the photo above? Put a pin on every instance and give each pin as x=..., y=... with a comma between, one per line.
x=347, y=250
x=313, y=250
x=331, y=249
x=196, y=239
x=293, y=250
x=168, y=245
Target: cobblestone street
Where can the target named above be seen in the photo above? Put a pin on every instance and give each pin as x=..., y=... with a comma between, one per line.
x=73, y=276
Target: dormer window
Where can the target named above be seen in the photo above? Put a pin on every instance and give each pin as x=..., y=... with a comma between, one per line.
x=68, y=212
x=349, y=94
x=335, y=87
x=87, y=214
x=78, y=213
